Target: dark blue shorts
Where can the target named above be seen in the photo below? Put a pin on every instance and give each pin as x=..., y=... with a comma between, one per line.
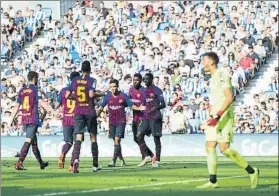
x=85, y=121
x=31, y=130
x=68, y=133
x=153, y=127
x=116, y=131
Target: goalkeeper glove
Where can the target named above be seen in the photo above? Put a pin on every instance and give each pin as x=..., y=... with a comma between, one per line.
x=214, y=119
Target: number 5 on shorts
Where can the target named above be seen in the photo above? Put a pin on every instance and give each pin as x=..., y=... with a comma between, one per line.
x=81, y=93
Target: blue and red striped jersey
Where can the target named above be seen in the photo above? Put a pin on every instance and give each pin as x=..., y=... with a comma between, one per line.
x=68, y=108
x=29, y=99
x=80, y=88
x=153, y=98
x=116, y=107
x=138, y=98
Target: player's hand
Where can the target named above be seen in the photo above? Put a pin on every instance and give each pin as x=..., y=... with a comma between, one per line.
x=213, y=120
x=142, y=108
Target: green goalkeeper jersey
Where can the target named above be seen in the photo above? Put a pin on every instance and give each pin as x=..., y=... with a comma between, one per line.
x=220, y=81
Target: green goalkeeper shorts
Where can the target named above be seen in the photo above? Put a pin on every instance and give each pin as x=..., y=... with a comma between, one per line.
x=221, y=133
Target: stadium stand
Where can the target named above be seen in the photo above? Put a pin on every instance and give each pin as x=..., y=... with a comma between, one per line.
x=166, y=38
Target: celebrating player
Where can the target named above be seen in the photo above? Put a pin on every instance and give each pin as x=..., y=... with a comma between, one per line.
x=67, y=121
x=82, y=90
x=219, y=127
x=136, y=94
x=117, y=101
x=151, y=120
x=30, y=101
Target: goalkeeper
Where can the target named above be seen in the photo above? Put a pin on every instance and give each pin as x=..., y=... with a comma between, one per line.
x=219, y=126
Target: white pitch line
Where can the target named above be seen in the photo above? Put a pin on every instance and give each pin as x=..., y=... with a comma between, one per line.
x=135, y=186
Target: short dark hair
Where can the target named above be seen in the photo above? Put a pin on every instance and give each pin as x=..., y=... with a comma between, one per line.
x=114, y=81
x=31, y=75
x=73, y=75
x=149, y=75
x=138, y=75
x=213, y=56
x=85, y=66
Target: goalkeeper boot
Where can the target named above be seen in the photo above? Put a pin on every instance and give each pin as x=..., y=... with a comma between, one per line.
x=255, y=178
x=208, y=185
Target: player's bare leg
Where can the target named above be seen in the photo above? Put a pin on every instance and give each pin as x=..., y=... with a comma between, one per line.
x=65, y=149
x=234, y=156
x=23, y=154
x=144, y=150
x=211, y=165
x=76, y=153
x=95, y=153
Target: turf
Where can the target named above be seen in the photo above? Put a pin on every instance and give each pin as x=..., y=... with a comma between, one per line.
x=167, y=179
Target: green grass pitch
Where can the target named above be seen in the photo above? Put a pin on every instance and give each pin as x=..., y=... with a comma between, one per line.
x=177, y=176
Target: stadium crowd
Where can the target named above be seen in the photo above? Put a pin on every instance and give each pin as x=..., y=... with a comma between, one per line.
x=161, y=37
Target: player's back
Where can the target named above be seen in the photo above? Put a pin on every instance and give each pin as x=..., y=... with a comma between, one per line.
x=81, y=86
x=68, y=107
x=28, y=98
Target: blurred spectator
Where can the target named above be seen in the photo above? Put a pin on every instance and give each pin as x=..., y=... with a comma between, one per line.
x=167, y=39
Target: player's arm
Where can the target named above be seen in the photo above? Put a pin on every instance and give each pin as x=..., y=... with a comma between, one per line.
x=160, y=97
x=92, y=88
x=132, y=105
x=14, y=112
x=103, y=104
x=46, y=106
x=58, y=102
x=99, y=94
x=16, y=108
x=227, y=88
x=69, y=91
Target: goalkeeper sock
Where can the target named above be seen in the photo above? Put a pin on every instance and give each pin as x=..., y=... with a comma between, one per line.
x=212, y=164
x=249, y=169
x=234, y=156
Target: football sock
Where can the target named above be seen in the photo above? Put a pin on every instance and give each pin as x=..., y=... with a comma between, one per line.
x=234, y=156
x=212, y=164
x=95, y=154
x=213, y=178
x=76, y=151
x=24, y=151
x=143, y=147
x=36, y=152
x=249, y=169
x=116, y=152
x=158, y=147
x=120, y=153
x=66, y=147
x=150, y=153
